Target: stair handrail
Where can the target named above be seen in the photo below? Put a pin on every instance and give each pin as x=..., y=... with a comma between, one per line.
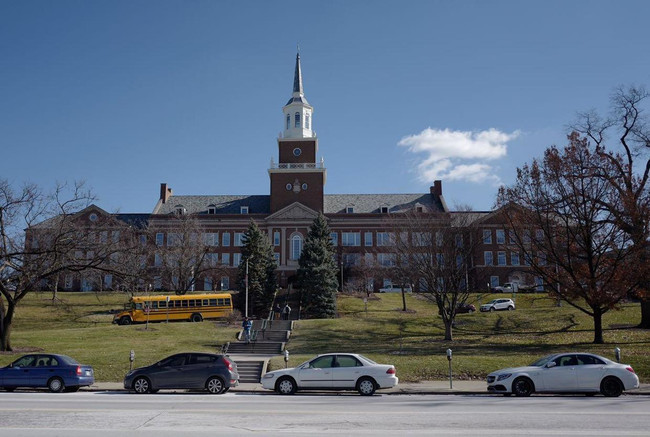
x=224, y=348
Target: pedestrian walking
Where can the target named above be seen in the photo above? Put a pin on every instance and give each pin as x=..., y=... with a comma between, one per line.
x=286, y=311
x=247, y=325
x=277, y=311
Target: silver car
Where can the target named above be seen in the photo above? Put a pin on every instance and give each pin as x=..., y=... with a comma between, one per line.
x=498, y=305
x=573, y=372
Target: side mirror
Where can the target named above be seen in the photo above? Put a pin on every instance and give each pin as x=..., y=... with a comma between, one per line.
x=551, y=364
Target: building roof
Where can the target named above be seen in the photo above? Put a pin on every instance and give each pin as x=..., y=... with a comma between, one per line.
x=334, y=203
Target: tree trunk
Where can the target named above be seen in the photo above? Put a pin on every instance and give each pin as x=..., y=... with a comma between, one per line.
x=5, y=329
x=56, y=288
x=448, y=330
x=403, y=300
x=598, y=326
x=645, y=314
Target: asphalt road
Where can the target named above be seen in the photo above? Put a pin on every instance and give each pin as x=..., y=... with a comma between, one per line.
x=243, y=414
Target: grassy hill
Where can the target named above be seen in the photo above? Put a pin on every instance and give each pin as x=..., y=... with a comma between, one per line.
x=79, y=324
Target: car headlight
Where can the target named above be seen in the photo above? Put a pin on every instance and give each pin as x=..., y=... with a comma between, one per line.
x=504, y=376
x=269, y=376
x=129, y=373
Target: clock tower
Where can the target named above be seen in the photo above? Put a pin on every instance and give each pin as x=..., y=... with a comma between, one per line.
x=297, y=176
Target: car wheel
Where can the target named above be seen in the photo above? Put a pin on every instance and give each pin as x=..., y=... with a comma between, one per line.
x=611, y=387
x=141, y=385
x=470, y=311
x=215, y=385
x=366, y=386
x=522, y=387
x=285, y=386
x=56, y=385
x=72, y=389
x=492, y=309
x=125, y=320
x=196, y=318
x=510, y=308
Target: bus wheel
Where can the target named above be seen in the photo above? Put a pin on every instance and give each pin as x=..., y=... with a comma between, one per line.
x=196, y=317
x=125, y=320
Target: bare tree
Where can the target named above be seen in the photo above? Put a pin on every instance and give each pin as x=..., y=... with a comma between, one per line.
x=186, y=257
x=622, y=144
x=41, y=238
x=557, y=217
x=434, y=252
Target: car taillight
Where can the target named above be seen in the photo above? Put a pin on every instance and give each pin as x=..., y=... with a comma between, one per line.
x=629, y=369
x=391, y=371
x=228, y=364
x=78, y=370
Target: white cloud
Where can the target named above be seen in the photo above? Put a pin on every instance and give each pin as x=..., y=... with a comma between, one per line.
x=458, y=155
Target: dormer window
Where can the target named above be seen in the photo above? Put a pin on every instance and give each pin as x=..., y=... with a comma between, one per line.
x=383, y=210
x=243, y=210
x=212, y=209
x=288, y=121
x=180, y=210
x=349, y=210
x=419, y=208
x=297, y=119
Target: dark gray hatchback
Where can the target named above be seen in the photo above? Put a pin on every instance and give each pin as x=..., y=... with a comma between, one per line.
x=192, y=371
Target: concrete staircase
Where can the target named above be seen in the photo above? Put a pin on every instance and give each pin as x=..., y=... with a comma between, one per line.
x=249, y=371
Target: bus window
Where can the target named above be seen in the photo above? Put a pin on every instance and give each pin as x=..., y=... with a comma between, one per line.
x=184, y=303
x=192, y=303
x=154, y=305
x=162, y=304
x=138, y=306
x=205, y=302
x=228, y=302
x=213, y=302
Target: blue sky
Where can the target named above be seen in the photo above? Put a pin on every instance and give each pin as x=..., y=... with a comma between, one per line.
x=128, y=94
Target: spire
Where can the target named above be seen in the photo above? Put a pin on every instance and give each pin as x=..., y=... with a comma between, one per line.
x=297, y=77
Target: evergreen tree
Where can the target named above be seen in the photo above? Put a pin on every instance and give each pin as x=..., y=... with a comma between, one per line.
x=262, y=282
x=317, y=272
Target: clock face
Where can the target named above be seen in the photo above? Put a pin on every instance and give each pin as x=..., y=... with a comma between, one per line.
x=304, y=186
x=297, y=151
x=289, y=187
x=93, y=217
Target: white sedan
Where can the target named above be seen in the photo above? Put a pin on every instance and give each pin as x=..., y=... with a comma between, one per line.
x=569, y=373
x=333, y=372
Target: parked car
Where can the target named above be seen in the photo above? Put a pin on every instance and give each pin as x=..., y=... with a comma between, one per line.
x=200, y=371
x=55, y=372
x=465, y=308
x=335, y=371
x=498, y=304
x=573, y=372
x=390, y=288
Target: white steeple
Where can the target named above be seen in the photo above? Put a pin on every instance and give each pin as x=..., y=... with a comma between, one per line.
x=297, y=111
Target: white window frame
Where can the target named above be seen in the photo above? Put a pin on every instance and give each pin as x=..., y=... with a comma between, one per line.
x=487, y=236
x=296, y=246
x=276, y=238
x=225, y=239
x=239, y=239
x=351, y=239
x=488, y=258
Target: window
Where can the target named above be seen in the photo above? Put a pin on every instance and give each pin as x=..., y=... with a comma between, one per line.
x=297, y=151
x=349, y=210
x=225, y=259
x=276, y=238
x=211, y=239
x=419, y=209
x=68, y=282
x=351, y=238
x=386, y=259
x=276, y=257
x=103, y=237
x=212, y=259
x=514, y=258
x=236, y=259
x=501, y=236
x=297, y=119
x=501, y=258
x=239, y=239
x=494, y=281
x=367, y=239
x=383, y=210
x=351, y=259
x=116, y=236
x=541, y=258
x=143, y=240
x=225, y=239
x=539, y=283
x=212, y=209
x=225, y=283
x=180, y=210
x=385, y=238
x=459, y=240
x=296, y=247
x=539, y=235
x=307, y=121
x=157, y=260
x=288, y=121
x=174, y=239
x=243, y=210
x=487, y=257
x=157, y=282
x=368, y=259
x=512, y=237
x=108, y=281
x=487, y=236
x=421, y=238
x=526, y=237
x=334, y=237
x=160, y=237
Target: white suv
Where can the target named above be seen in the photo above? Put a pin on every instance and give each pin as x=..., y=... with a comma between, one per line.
x=499, y=304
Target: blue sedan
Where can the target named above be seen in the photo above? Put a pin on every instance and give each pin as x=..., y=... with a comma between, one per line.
x=55, y=372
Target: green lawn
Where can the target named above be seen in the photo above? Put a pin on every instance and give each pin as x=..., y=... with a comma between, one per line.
x=79, y=324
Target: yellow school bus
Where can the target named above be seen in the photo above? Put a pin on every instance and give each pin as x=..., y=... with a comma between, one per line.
x=190, y=307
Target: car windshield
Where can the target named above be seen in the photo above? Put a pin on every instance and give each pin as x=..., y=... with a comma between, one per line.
x=542, y=361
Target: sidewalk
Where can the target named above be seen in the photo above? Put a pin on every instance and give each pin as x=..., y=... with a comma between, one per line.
x=407, y=388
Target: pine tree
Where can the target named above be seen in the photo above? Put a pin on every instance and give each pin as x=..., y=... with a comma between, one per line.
x=262, y=282
x=317, y=272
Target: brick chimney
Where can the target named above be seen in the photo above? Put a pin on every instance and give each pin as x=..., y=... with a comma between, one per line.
x=165, y=193
x=436, y=190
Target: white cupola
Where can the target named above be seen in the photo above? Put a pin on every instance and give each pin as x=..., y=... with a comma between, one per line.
x=297, y=112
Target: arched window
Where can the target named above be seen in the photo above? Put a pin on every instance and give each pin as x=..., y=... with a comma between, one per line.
x=288, y=121
x=296, y=247
x=307, y=120
x=297, y=121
